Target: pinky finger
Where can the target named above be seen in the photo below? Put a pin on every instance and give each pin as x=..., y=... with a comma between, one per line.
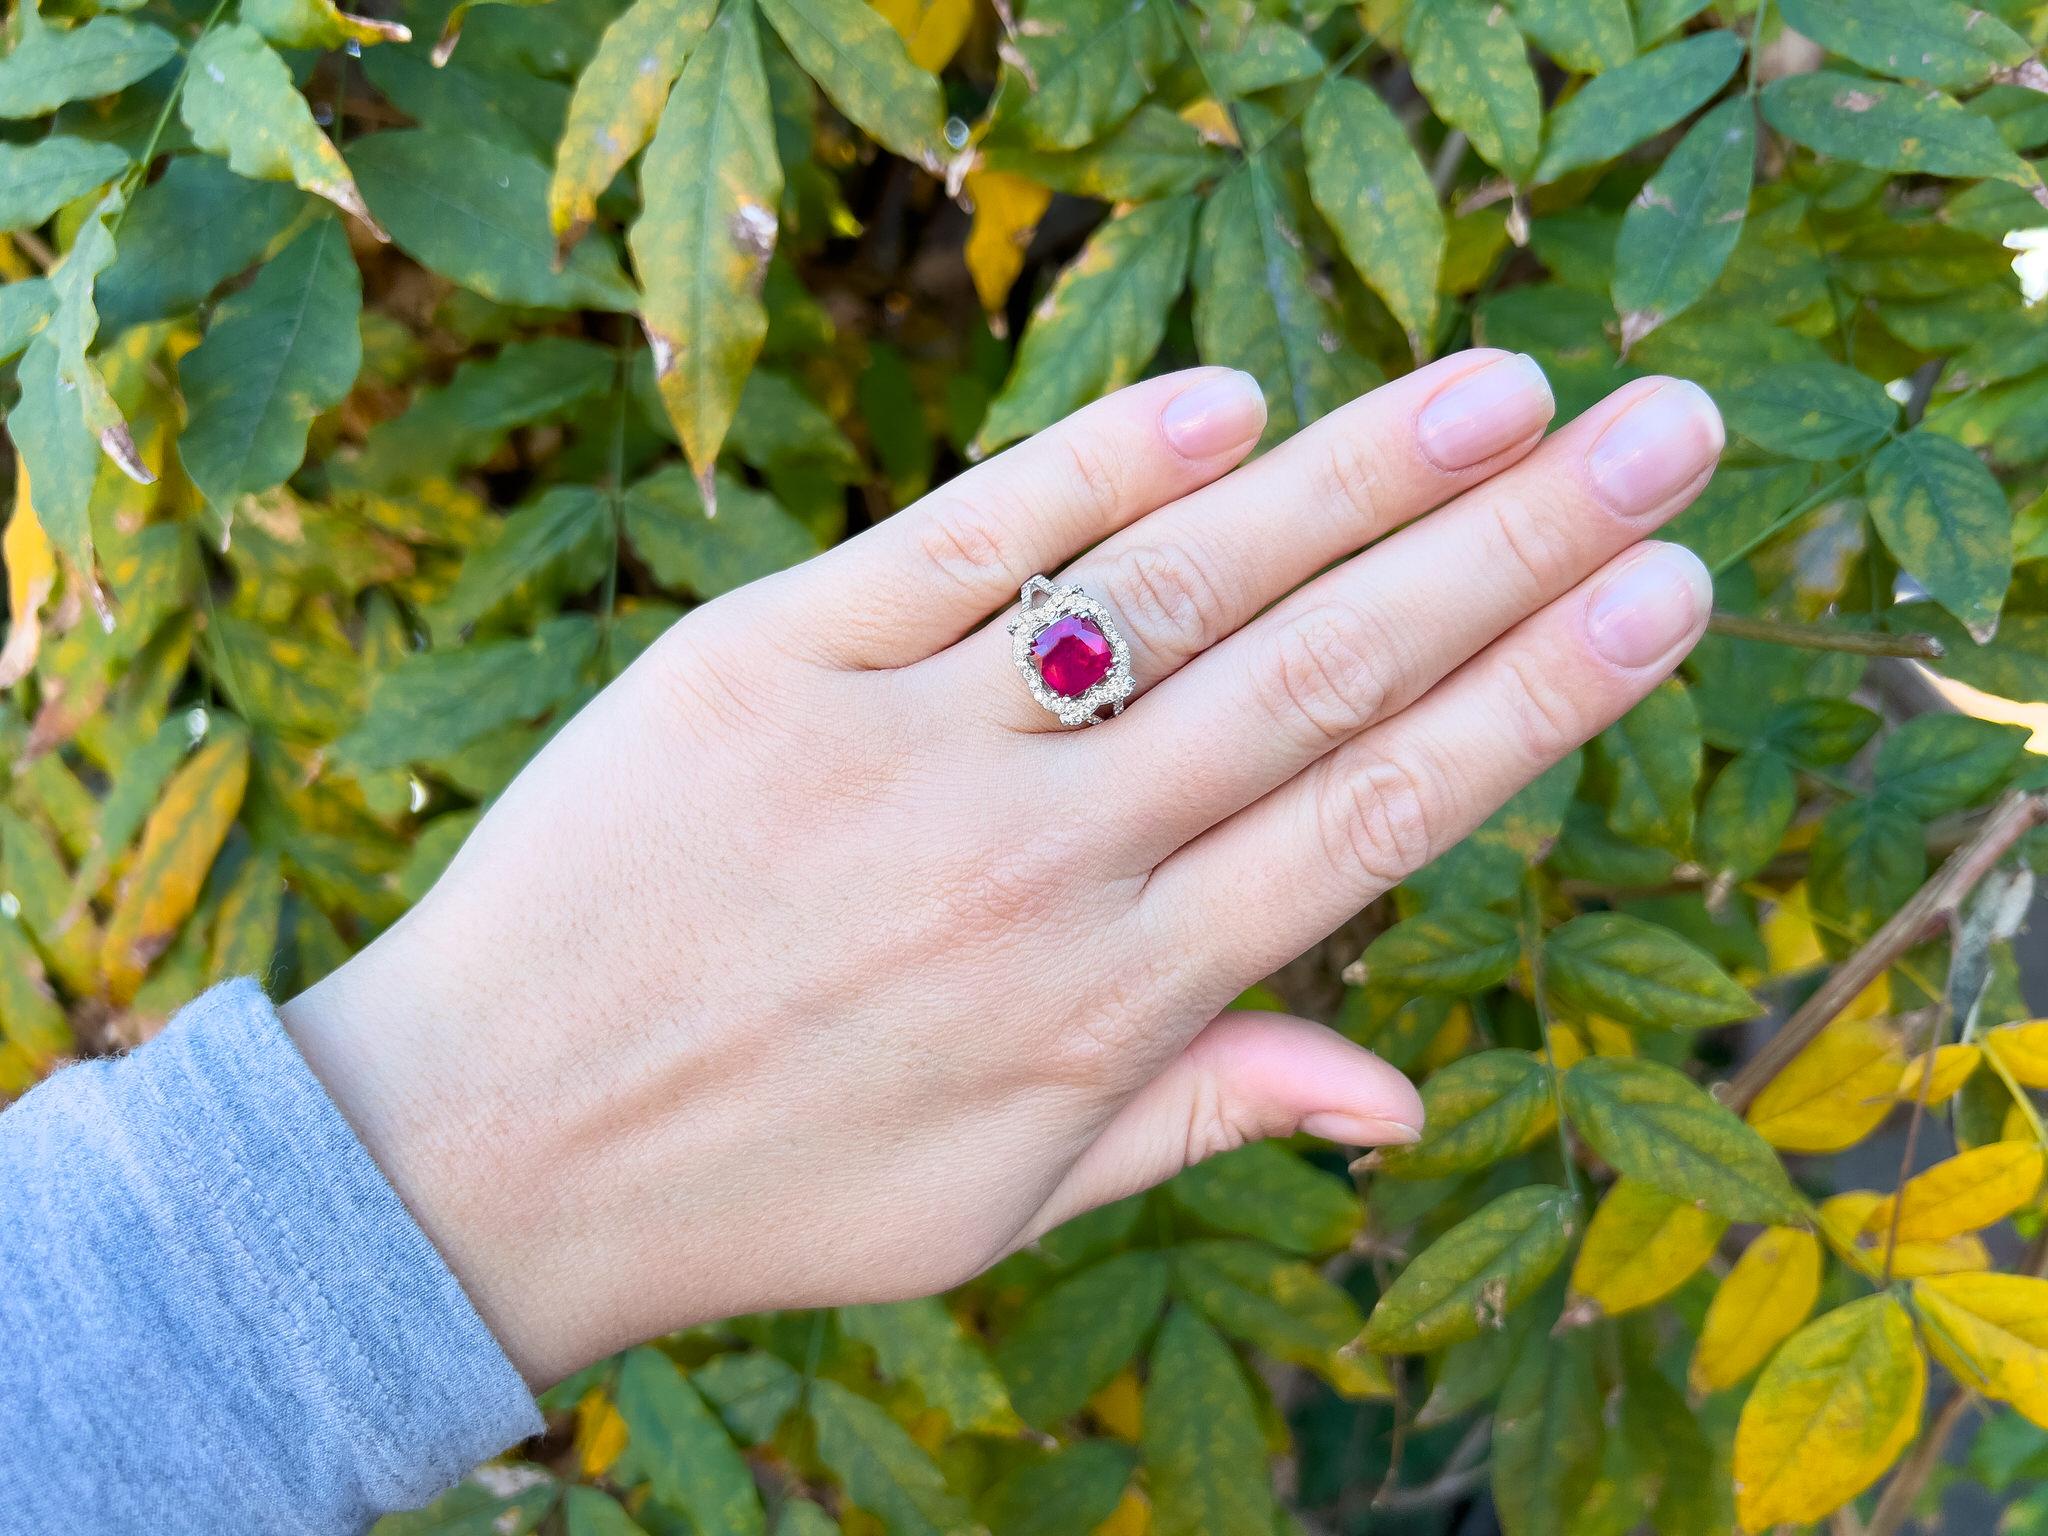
x=1285, y=872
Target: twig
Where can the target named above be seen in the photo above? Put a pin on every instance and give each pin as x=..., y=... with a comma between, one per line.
x=1821, y=637
x=1903, y=1491
x=1449, y=156
x=1933, y=904
x=1463, y=1471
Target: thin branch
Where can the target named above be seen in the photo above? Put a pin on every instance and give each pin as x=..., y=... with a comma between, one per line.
x=1463, y=1472
x=1933, y=904
x=1822, y=637
x=1903, y=1491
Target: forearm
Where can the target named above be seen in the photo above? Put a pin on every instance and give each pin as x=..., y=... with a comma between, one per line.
x=219, y=1315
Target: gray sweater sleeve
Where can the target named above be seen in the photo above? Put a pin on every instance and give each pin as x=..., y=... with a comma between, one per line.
x=215, y=1313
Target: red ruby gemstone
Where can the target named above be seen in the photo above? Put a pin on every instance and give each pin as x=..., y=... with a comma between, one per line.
x=1073, y=655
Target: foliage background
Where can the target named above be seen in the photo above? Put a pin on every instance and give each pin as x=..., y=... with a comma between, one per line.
x=370, y=389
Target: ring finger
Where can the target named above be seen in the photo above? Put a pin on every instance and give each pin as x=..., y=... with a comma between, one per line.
x=1181, y=579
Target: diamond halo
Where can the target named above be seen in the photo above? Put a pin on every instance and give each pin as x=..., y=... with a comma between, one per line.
x=1057, y=603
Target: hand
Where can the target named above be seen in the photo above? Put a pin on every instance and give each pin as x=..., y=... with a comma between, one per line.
x=813, y=963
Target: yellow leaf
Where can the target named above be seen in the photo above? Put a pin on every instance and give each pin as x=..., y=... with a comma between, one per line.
x=1833, y=1093
x=1770, y=1291
x=1211, y=119
x=2022, y=1049
x=1120, y=1406
x=1450, y=1042
x=1790, y=939
x=1846, y=1222
x=1131, y=1517
x=1873, y=1002
x=1833, y=1409
x=1991, y=1331
x=1006, y=210
x=600, y=1433
x=179, y=841
x=31, y=573
x=1641, y=1245
x=932, y=30
x=1970, y=1191
x=1359, y=1374
x=1567, y=1046
x=1608, y=1037
x=1953, y=1066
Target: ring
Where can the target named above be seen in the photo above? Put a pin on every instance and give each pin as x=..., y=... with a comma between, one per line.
x=1071, y=653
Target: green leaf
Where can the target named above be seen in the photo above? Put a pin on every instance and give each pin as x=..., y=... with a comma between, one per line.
x=48, y=67
x=691, y=551
x=1549, y=1435
x=676, y=1444
x=1101, y=323
x=1639, y=973
x=1078, y=1334
x=618, y=100
x=1747, y=813
x=1890, y=127
x=37, y=179
x=920, y=1342
x=436, y=702
x=1265, y=1191
x=879, y=1466
x=1074, y=1489
x=1475, y=1274
x=1450, y=949
x=1945, y=520
x=1936, y=764
x=1650, y=762
x=592, y=1512
x=219, y=222
x=1657, y=1125
x=1936, y=41
x=1868, y=859
x=1093, y=62
x=1369, y=183
x=1612, y=114
x=800, y=1517
x=859, y=62
x=469, y=1509
x=1280, y=1305
x=475, y=211
x=1256, y=309
x=1153, y=153
x=705, y=232
x=276, y=355
x=1473, y=68
x=752, y=1392
x=318, y=24
x=239, y=101
x=1588, y=36
x=1820, y=733
x=1812, y=410
x=1478, y=1111
x=1488, y=866
x=1205, y=1455
x=567, y=530
x=1683, y=226
x=1657, y=18
x=24, y=305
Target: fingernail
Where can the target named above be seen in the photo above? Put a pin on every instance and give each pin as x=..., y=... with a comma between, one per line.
x=1657, y=447
x=1359, y=1130
x=1483, y=412
x=1215, y=416
x=1651, y=604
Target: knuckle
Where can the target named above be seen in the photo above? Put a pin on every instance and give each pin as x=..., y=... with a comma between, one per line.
x=1170, y=596
x=1378, y=822
x=1541, y=716
x=1097, y=472
x=968, y=544
x=1354, y=475
x=1533, y=538
x=1325, y=686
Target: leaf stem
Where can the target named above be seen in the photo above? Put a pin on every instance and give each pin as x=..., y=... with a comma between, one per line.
x=163, y=117
x=1792, y=515
x=1532, y=953
x=1821, y=637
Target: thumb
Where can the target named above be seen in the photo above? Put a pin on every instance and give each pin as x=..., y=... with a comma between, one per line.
x=1245, y=1076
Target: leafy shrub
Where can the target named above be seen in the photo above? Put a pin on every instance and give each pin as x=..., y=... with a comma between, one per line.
x=353, y=455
